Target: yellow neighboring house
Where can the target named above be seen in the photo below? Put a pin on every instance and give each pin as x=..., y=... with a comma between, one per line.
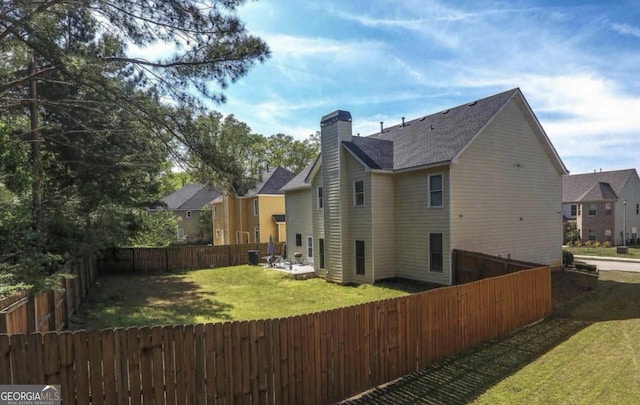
x=253, y=216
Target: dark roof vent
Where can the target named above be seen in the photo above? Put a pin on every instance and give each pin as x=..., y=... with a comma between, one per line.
x=473, y=103
x=445, y=111
x=422, y=118
x=403, y=121
x=381, y=126
x=432, y=127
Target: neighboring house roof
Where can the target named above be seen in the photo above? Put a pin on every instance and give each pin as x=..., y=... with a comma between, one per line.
x=190, y=197
x=279, y=219
x=179, y=197
x=299, y=181
x=272, y=182
x=594, y=186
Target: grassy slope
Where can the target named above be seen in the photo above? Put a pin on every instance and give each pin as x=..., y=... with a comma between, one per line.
x=598, y=364
x=213, y=295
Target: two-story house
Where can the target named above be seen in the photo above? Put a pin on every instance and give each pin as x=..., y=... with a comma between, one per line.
x=600, y=202
x=186, y=204
x=252, y=216
x=482, y=176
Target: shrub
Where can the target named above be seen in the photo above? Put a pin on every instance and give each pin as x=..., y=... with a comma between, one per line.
x=587, y=244
x=585, y=266
x=606, y=244
x=578, y=243
x=567, y=258
x=595, y=244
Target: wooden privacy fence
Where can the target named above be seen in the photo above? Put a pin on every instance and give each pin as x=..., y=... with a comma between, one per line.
x=150, y=260
x=316, y=358
x=49, y=310
x=472, y=266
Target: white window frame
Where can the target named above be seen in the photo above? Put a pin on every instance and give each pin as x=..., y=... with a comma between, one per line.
x=187, y=214
x=217, y=233
x=180, y=233
x=574, y=210
x=256, y=234
x=298, y=244
x=355, y=194
x=255, y=207
x=213, y=210
x=430, y=192
x=607, y=209
x=309, y=246
x=595, y=210
x=320, y=197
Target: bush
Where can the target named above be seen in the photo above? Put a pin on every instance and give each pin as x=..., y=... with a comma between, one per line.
x=595, y=244
x=578, y=243
x=585, y=266
x=606, y=244
x=567, y=258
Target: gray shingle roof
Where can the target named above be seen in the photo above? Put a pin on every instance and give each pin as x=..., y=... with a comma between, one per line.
x=441, y=136
x=190, y=197
x=272, y=182
x=375, y=153
x=179, y=197
x=202, y=197
x=594, y=186
x=298, y=181
x=279, y=218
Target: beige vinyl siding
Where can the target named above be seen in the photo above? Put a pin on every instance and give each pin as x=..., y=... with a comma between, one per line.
x=383, y=226
x=357, y=221
x=506, y=193
x=333, y=175
x=414, y=220
x=298, y=208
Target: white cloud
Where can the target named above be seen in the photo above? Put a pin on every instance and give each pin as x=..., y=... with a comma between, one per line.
x=625, y=29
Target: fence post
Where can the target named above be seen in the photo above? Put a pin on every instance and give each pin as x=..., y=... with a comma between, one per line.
x=51, y=296
x=166, y=260
x=31, y=313
x=228, y=255
x=454, y=268
x=133, y=256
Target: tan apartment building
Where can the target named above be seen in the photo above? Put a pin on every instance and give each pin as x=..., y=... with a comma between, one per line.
x=186, y=205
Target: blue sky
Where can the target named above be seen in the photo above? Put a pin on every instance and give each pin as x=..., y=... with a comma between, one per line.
x=578, y=65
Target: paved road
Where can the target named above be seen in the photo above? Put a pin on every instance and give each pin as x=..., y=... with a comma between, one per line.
x=604, y=265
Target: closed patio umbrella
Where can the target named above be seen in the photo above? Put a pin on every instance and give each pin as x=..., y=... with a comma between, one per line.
x=271, y=248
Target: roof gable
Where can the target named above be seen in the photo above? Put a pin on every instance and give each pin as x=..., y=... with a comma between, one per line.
x=176, y=199
x=374, y=153
x=272, y=182
x=577, y=187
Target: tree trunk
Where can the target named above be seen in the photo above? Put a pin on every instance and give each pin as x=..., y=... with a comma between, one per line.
x=35, y=148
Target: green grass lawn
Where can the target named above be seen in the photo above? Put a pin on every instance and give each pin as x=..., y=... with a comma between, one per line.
x=599, y=363
x=223, y=294
x=588, y=352
x=634, y=252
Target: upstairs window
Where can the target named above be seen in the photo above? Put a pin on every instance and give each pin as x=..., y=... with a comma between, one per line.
x=214, y=211
x=320, y=201
x=435, y=190
x=593, y=209
x=574, y=210
x=637, y=209
x=188, y=214
x=607, y=209
x=255, y=207
x=580, y=209
x=358, y=193
x=298, y=239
